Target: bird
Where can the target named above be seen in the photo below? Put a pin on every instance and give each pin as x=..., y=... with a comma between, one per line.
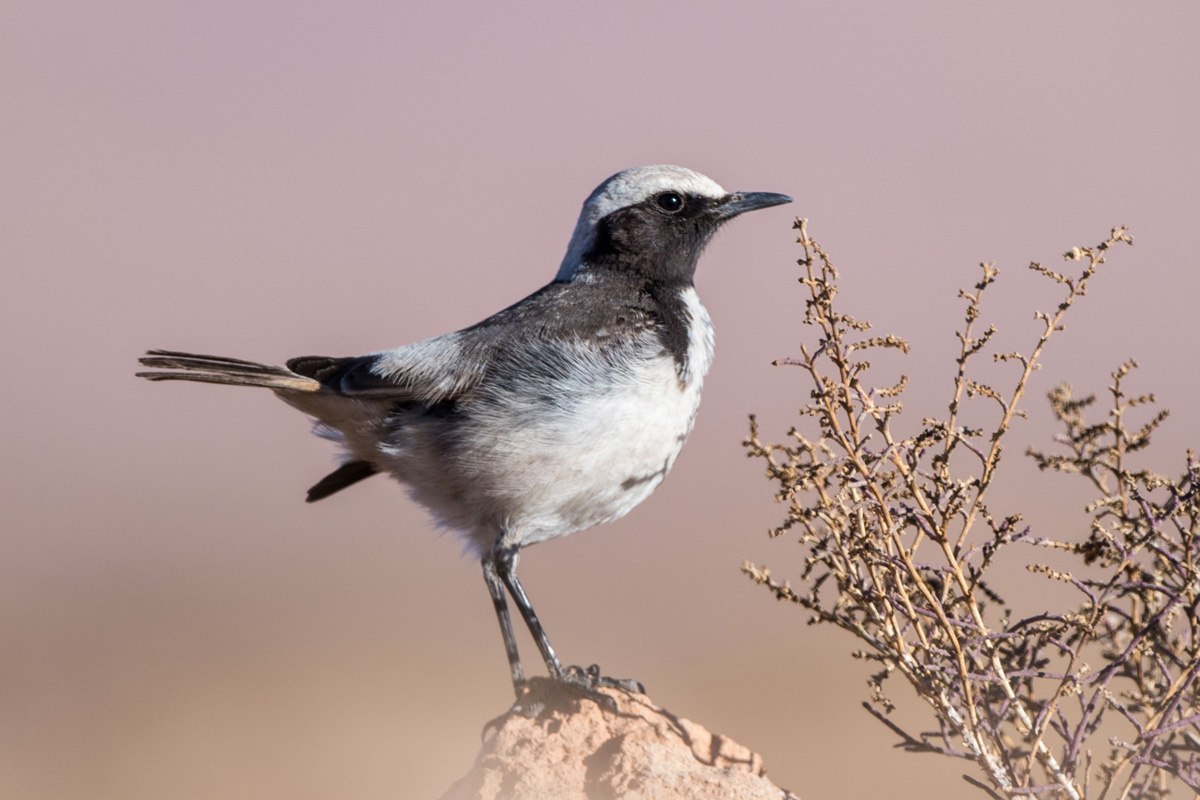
x=556, y=414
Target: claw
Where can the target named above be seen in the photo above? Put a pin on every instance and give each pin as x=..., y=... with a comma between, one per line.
x=624, y=684
x=595, y=680
x=589, y=681
x=572, y=685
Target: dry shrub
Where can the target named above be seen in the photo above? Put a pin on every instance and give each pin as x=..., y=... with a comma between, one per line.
x=897, y=540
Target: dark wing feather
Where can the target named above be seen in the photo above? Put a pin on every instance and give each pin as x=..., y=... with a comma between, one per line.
x=347, y=474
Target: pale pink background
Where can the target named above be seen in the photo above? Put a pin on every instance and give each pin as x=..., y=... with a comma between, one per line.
x=273, y=179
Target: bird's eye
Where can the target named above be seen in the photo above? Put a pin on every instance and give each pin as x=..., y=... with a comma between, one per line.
x=670, y=202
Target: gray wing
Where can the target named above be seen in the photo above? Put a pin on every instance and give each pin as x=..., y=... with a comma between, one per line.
x=434, y=371
x=444, y=368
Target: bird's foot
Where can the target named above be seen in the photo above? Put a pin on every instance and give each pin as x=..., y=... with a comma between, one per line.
x=588, y=683
x=572, y=684
x=591, y=678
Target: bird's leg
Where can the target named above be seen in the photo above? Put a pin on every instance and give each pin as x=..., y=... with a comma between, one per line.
x=505, y=559
x=496, y=590
x=589, y=679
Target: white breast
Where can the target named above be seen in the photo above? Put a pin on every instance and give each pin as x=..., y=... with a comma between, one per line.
x=619, y=446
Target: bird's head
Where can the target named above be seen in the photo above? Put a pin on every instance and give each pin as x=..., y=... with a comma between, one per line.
x=654, y=221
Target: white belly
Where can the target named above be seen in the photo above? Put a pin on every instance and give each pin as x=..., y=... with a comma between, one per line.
x=608, y=457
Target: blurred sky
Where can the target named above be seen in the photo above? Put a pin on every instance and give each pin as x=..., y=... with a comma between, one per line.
x=267, y=180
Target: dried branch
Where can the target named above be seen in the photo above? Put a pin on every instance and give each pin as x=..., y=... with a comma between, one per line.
x=1021, y=698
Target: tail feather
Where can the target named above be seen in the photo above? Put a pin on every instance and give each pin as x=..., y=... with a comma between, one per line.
x=171, y=365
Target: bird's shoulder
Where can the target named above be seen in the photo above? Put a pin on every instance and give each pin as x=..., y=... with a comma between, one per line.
x=612, y=312
x=604, y=313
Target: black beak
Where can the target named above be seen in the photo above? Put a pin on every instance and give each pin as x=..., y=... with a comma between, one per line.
x=741, y=202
